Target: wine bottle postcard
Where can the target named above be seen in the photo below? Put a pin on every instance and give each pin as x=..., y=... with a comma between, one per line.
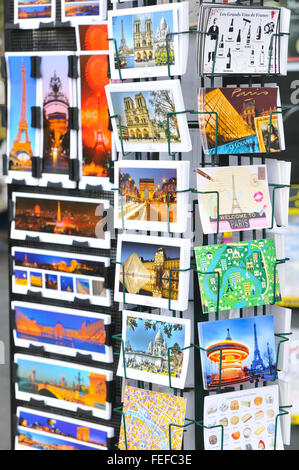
x=63, y=384
x=60, y=219
x=60, y=275
x=151, y=195
x=63, y=331
x=30, y=13
x=243, y=420
x=23, y=141
x=237, y=351
x=243, y=193
x=240, y=120
x=146, y=410
x=39, y=430
x=237, y=275
x=152, y=271
x=154, y=348
x=82, y=12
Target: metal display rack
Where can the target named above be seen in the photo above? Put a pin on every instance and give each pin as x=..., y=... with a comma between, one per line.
x=61, y=36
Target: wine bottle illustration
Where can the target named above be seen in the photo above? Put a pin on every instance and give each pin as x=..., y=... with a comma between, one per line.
x=258, y=33
x=221, y=47
x=238, y=42
x=248, y=39
x=231, y=31
x=252, y=57
x=229, y=59
x=262, y=56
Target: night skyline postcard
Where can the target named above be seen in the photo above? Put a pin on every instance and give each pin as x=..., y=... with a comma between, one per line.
x=22, y=96
x=75, y=8
x=56, y=102
x=61, y=382
x=246, y=347
x=34, y=9
x=62, y=428
x=48, y=442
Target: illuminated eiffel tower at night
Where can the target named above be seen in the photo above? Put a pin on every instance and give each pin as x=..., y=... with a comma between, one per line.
x=21, y=151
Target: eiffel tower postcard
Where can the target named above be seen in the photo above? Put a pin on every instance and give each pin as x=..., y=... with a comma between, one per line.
x=23, y=141
x=247, y=350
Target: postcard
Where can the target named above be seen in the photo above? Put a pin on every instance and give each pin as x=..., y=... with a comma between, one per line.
x=244, y=420
x=140, y=49
x=154, y=348
x=237, y=275
x=38, y=430
x=144, y=119
x=240, y=120
x=243, y=193
x=92, y=37
x=97, y=148
x=30, y=13
x=23, y=141
x=237, y=351
x=60, y=275
x=63, y=331
x=82, y=12
x=152, y=271
x=60, y=219
x=150, y=195
x=148, y=417
x=63, y=384
x=59, y=140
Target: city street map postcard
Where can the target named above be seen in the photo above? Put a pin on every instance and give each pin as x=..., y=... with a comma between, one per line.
x=38, y=430
x=244, y=201
x=59, y=139
x=237, y=351
x=63, y=384
x=237, y=275
x=154, y=348
x=60, y=219
x=97, y=148
x=140, y=49
x=23, y=141
x=63, y=331
x=146, y=116
x=240, y=120
x=148, y=416
x=151, y=195
x=152, y=271
x=30, y=13
x=243, y=420
x=60, y=275
x=83, y=12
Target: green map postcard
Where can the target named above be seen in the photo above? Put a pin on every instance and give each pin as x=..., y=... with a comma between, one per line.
x=237, y=275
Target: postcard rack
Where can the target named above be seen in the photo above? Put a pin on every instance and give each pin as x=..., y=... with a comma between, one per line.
x=59, y=37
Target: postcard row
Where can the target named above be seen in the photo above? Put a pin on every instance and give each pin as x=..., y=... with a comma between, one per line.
x=155, y=272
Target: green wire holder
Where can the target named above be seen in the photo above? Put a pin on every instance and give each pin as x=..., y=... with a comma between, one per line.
x=284, y=337
x=280, y=110
x=123, y=276
x=200, y=424
x=277, y=262
x=193, y=191
x=121, y=205
x=116, y=54
x=190, y=31
x=275, y=187
x=282, y=412
x=190, y=111
x=117, y=116
x=274, y=35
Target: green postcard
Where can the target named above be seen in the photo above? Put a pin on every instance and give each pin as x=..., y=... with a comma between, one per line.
x=237, y=275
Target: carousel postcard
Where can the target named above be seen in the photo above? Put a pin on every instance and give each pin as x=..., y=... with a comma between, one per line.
x=151, y=195
x=60, y=219
x=64, y=385
x=61, y=330
x=241, y=120
x=97, y=149
x=59, y=140
x=82, y=12
x=23, y=141
x=242, y=194
x=238, y=275
x=30, y=13
x=154, y=348
x=39, y=430
x=153, y=271
x=60, y=275
x=146, y=116
x=237, y=351
x=145, y=410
